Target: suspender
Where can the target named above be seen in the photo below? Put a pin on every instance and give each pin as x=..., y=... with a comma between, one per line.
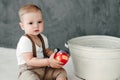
x=34, y=47
x=43, y=46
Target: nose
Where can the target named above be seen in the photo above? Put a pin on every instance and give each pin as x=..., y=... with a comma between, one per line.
x=36, y=25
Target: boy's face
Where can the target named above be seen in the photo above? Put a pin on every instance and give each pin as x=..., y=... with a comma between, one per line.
x=32, y=23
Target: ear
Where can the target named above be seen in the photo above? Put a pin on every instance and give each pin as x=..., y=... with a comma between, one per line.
x=21, y=25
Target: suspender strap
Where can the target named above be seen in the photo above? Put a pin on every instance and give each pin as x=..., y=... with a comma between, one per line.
x=43, y=46
x=34, y=47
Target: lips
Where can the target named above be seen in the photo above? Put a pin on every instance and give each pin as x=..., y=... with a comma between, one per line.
x=36, y=30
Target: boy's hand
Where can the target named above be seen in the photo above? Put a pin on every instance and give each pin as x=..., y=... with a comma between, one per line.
x=54, y=63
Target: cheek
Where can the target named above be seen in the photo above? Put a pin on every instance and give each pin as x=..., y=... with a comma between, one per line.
x=42, y=27
x=29, y=29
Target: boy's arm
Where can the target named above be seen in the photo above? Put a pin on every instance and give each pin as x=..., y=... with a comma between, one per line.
x=34, y=61
x=40, y=62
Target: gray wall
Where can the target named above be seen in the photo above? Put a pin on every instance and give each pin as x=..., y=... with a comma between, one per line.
x=64, y=19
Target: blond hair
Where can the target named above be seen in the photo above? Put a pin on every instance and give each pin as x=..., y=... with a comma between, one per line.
x=27, y=9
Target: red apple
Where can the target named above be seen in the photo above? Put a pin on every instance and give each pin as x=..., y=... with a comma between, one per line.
x=62, y=56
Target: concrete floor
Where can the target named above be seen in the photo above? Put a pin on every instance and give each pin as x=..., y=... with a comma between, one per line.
x=9, y=68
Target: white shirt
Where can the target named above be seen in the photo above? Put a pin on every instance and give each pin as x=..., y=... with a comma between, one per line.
x=25, y=45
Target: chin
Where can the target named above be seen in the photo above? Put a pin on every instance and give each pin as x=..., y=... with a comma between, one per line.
x=37, y=33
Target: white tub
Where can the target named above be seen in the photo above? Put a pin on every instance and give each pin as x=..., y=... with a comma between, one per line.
x=96, y=57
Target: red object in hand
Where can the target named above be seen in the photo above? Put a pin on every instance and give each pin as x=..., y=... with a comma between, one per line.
x=62, y=56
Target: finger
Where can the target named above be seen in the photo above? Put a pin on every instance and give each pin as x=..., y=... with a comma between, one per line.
x=56, y=65
x=58, y=62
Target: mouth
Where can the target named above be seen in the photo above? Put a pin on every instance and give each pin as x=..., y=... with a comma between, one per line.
x=36, y=30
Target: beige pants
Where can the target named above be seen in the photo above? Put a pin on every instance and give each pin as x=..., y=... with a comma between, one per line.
x=42, y=73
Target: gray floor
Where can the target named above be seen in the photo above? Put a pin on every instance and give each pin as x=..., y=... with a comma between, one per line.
x=9, y=68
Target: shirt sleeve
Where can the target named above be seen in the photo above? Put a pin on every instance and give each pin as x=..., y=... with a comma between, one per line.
x=25, y=45
x=45, y=41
